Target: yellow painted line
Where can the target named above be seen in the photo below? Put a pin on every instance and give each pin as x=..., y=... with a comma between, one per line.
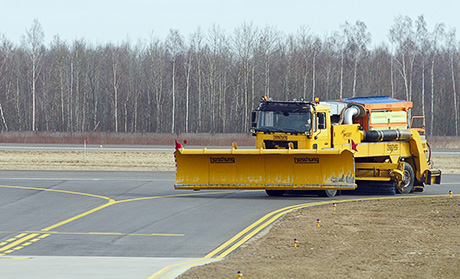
x=301, y=206
x=14, y=245
x=276, y=215
x=165, y=269
x=57, y=191
x=12, y=239
x=102, y=233
x=111, y=201
x=240, y=234
x=17, y=242
x=177, y=195
x=20, y=246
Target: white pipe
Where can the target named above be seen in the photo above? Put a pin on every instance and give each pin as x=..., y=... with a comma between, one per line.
x=349, y=114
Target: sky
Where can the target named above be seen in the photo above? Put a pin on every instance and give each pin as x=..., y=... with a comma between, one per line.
x=114, y=21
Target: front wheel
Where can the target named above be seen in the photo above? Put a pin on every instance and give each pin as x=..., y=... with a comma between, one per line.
x=407, y=182
x=327, y=193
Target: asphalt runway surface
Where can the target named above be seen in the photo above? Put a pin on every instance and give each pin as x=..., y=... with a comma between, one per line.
x=96, y=224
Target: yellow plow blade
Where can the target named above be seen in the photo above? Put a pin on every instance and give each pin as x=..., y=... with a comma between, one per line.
x=265, y=169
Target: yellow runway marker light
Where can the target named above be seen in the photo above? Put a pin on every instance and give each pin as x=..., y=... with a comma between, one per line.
x=318, y=222
x=333, y=206
x=450, y=194
x=295, y=242
x=239, y=274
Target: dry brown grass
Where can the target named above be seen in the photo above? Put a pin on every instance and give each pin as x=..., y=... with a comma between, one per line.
x=75, y=160
x=127, y=138
x=444, y=142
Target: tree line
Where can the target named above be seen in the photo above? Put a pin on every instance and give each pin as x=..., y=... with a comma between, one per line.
x=209, y=82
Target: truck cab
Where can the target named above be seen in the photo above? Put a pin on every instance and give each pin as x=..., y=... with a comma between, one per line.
x=293, y=124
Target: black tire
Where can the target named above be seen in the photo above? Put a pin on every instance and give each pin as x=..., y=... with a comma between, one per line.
x=408, y=180
x=275, y=193
x=327, y=193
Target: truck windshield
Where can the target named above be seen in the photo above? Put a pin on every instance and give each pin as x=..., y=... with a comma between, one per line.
x=279, y=121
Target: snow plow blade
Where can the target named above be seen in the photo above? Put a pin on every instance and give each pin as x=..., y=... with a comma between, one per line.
x=265, y=169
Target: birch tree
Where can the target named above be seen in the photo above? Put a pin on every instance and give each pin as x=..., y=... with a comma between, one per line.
x=243, y=44
x=452, y=51
x=422, y=41
x=435, y=37
x=357, y=38
x=174, y=45
x=306, y=42
x=33, y=42
x=5, y=53
x=402, y=35
x=197, y=44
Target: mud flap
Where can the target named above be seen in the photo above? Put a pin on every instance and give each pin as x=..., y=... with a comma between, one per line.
x=265, y=169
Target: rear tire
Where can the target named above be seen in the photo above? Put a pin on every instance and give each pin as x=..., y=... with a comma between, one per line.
x=408, y=180
x=327, y=193
x=275, y=193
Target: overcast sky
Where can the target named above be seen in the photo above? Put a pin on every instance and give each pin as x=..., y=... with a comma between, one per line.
x=102, y=21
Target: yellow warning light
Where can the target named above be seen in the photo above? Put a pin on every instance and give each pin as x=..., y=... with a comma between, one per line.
x=317, y=100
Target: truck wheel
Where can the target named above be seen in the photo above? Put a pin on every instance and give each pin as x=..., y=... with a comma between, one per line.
x=407, y=182
x=327, y=193
x=275, y=193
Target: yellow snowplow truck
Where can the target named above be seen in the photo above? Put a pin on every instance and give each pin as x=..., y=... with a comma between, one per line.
x=322, y=146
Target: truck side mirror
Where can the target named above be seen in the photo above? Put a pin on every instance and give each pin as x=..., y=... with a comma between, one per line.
x=253, y=119
x=321, y=121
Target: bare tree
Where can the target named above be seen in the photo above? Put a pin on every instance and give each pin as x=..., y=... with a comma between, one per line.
x=211, y=82
x=402, y=35
x=316, y=47
x=33, y=42
x=452, y=50
x=197, y=46
x=422, y=41
x=187, y=68
x=306, y=42
x=5, y=53
x=269, y=39
x=115, y=62
x=357, y=39
x=435, y=37
x=175, y=47
x=243, y=44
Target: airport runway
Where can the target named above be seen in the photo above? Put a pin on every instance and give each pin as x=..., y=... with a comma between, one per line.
x=93, y=224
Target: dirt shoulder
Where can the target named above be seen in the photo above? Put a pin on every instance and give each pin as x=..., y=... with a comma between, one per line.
x=399, y=238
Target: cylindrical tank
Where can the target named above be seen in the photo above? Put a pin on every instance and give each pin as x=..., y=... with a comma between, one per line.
x=386, y=135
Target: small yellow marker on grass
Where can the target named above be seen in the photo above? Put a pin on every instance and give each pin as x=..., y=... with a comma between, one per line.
x=450, y=194
x=295, y=242
x=333, y=205
x=318, y=222
x=239, y=274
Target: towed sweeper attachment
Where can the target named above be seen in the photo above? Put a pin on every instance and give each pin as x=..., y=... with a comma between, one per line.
x=265, y=169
